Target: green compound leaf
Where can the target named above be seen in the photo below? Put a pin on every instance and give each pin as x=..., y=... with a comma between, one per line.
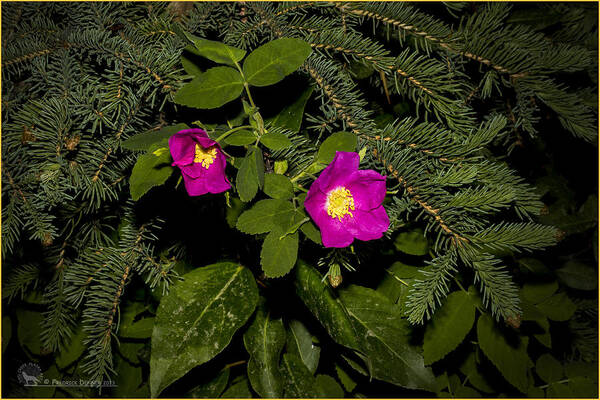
x=241, y=138
x=299, y=383
x=279, y=253
x=324, y=305
x=549, y=369
x=250, y=175
x=216, y=51
x=212, y=89
x=471, y=371
x=278, y=186
x=413, y=243
x=273, y=61
x=188, y=65
x=302, y=343
x=384, y=337
x=265, y=215
x=150, y=170
x=348, y=383
x=539, y=291
x=558, y=307
x=275, y=140
x=451, y=324
x=510, y=360
x=578, y=276
x=197, y=320
x=143, y=141
x=264, y=340
x=338, y=141
x=291, y=116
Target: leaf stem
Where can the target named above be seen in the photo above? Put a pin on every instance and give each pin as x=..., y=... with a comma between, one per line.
x=234, y=364
x=223, y=136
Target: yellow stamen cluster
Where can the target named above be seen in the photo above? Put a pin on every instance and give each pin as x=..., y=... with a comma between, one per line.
x=339, y=203
x=205, y=156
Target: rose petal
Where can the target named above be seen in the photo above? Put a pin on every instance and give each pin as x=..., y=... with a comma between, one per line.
x=369, y=225
x=182, y=147
x=335, y=234
x=194, y=187
x=339, y=171
x=367, y=188
x=216, y=180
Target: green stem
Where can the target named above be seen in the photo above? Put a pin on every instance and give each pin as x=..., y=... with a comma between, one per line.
x=246, y=86
x=301, y=173
x=239, y=128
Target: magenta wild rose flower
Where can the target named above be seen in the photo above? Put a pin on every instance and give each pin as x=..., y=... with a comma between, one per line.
x=201, y=161
x=346, y=203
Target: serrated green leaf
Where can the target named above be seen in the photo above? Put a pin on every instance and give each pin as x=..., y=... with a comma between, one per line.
x=548, y=368
x=324, y=305
x=328, y=387
x=578, y=276
x=451, y=324
x=198, y=318
x=558, y=307
x=533, y=265
x=539, y=291
x=291, y=116
x=559, y=390
x=298, y=381
x=273, y=61
x=583, y=387
x=190, y=66
x=348, y=383
x=150, y=170
x=413, y=243
x=216, y=51
x=310, y=230
x=474, y=376
x=275, y=140
x=384, y=338
x=397, y=282
x=338, y=141
x=281, y=166
x=250, y=174
x=279, y=253
x=143, y=141
x=264, y=340
x=265, y=215
x=278, y=186
x=241, y=138
x=214, y=88
x=512, y=361
x=212, y=387
x=301, y=343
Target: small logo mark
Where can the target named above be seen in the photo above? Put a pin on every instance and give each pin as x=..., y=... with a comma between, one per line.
x=28, y=374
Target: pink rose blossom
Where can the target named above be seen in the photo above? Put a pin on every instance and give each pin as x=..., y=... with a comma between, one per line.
x=346, y=203
x=201, y=161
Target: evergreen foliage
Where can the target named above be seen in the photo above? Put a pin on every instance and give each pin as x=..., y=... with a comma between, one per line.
x=92, y=89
